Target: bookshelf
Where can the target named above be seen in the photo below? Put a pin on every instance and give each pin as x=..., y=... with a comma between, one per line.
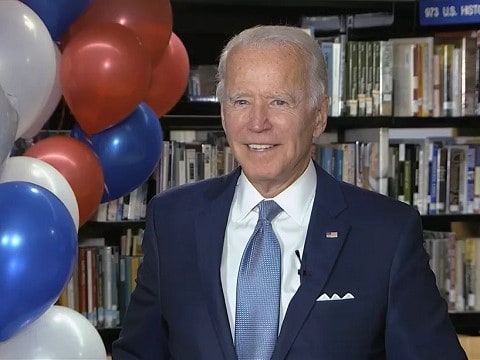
x=190, y=115
x=111, y=232
x=204, y=44
x=226, y=17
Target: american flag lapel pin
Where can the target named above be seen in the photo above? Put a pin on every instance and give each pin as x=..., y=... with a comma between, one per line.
x=331, y=234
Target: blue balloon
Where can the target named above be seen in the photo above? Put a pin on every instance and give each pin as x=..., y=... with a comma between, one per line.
x=57, y=15
x=128, y=151
x=38, y=250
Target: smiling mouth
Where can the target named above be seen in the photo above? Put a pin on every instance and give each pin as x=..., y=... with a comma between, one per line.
x=259, y=147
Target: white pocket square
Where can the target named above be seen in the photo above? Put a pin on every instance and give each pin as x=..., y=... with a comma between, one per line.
x=334, y=297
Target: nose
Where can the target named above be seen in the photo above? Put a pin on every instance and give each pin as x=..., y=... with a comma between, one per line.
x=259, y=118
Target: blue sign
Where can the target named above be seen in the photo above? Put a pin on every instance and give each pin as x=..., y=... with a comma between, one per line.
x=445, y=12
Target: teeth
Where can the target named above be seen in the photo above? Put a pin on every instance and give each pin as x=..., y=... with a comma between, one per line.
x=259, y=146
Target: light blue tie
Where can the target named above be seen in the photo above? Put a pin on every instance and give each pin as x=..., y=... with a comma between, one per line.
x=258, y=289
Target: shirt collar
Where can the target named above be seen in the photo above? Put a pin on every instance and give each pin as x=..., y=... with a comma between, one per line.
x=293, y=200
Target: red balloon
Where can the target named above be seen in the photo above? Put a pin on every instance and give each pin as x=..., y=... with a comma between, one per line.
x=169, y=78
x=79, y=165
x=104, y=73
x=151, y=20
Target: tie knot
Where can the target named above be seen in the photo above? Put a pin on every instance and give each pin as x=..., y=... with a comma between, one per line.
x=268, y=209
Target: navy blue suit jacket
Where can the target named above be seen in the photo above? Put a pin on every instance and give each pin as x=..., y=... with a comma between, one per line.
x=177, y=310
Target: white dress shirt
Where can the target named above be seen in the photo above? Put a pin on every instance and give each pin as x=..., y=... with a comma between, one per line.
x=290, y=227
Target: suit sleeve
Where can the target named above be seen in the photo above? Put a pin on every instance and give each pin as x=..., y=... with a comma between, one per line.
x=144, y=333
x=417, y=324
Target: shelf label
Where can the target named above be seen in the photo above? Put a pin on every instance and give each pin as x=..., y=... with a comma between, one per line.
x=444, y=12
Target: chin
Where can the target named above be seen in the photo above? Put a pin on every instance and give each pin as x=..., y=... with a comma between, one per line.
x=261, y=174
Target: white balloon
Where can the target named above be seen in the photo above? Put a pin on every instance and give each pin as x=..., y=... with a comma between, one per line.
x=27, y=61
x=60, y=333
x=8, y=127
x=39, y=172
x=54, y=97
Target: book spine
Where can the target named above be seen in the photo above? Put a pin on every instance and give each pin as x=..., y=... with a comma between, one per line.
x=432, y=178
x=401, y=171
x=348, y=172
x=445, y=51
x=437, y=86
x=441, y=180
x=352, y=78
x=393, y=177
x=386, y=78
x=122, y=286
x=476, y=202
x=336, y=95
x=460, y=275
x=470, y=179
x=327, y=50
x=416, y=71
x=470, y=274
x=190, y=164
x=91, y=287
x=82, y=283
x=416, y=199
x=408, y=175
x=451, y=267
x=100, y=278
x=453, y=180
x=362, y=77
x=369, y=79
x=456, y=82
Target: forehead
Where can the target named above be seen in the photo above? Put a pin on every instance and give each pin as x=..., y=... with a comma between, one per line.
x=268, y=66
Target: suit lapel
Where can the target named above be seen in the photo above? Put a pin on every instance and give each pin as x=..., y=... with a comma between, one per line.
x=210, y=225
x=325, y=237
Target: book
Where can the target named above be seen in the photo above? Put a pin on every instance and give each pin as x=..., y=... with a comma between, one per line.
x=327, y=50
x=470, y=264
x=382, y=91
x=82, y=281
x=460, y=275
x=371, y=135
x=456, y=179
x=406, y=81
x=91, y=277
x=369, y=64
x=437, y=86
x=207, y=160
x=423, y=62
x=371, y=168
x=351, y=78
x=465, y=68
x=332, y=53
x=362, y=78
x=441, y=180
x=393, y=171
x=442, y=248
x=348, y=163
x=339, y=62
x=445, y=52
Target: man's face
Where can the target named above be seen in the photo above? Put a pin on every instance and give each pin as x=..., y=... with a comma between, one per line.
x=268, y=117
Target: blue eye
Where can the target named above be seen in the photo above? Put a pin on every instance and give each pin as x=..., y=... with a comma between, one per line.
x=240, y=102
x=279, y=102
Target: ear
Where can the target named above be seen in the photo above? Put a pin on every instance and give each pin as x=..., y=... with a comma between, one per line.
x=321, y=117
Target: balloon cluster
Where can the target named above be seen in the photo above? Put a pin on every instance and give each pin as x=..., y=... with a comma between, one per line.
x=119, y=67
